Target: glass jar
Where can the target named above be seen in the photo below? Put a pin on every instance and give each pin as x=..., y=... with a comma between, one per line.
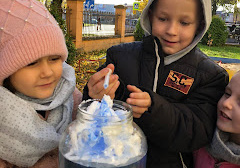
x=103, y=141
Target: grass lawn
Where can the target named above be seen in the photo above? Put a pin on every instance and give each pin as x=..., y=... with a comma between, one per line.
x=222, y=51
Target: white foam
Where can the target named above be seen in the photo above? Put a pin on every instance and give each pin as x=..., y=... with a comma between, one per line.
x=116, y=143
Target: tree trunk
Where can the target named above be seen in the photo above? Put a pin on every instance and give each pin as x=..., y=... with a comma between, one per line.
x=214, y=7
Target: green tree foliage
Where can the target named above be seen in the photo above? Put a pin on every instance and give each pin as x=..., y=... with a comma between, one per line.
x=56, y=11
x=143, y=3
x=215, y=3
x=55, y=8
x=138, y=33
x=217, y=33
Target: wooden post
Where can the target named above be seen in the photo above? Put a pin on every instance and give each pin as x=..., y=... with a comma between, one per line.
x=120, y=15
x=75, y=20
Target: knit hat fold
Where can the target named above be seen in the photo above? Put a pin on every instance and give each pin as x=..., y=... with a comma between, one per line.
x=27, y=32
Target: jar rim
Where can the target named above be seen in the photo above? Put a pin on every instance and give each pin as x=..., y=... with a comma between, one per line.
x=127, y=115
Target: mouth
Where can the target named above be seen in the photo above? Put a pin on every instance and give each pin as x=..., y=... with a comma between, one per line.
x=169, y=42
x=46, y=85
x=222, y=114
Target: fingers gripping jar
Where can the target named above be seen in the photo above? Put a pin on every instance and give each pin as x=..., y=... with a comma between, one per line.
x=103, y=136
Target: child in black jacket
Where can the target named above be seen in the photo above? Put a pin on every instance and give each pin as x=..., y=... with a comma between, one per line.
x=172, y=86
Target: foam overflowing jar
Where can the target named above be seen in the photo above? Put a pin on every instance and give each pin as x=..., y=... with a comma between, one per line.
x=103, y=135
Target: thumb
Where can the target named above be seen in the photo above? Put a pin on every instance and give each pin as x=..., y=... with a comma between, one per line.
x=111, y=66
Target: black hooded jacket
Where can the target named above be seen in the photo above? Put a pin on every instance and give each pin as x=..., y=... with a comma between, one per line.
x=183, y=112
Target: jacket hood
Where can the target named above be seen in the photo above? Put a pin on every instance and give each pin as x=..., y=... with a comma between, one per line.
x=207, y=12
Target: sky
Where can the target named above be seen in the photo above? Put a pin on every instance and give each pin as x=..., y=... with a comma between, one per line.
x=115, y=2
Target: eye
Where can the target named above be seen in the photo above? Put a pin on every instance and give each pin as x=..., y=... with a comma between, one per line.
x=162, y=19
x=55, y=58
x=185, y=23
x=227, y=94
x=33, y=63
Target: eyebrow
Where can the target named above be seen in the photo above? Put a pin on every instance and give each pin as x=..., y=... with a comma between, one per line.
x=185, y=16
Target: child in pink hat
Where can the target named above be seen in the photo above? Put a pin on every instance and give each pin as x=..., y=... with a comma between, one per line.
x=38, y=97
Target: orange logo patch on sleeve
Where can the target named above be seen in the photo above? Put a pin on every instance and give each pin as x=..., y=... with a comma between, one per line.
x=179, y=81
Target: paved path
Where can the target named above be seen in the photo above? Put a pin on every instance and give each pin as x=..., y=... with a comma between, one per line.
x=232, y=41
x=105, y=30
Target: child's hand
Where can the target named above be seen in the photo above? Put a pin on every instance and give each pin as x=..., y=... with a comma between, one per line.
x=139, y=100
x=95, y=84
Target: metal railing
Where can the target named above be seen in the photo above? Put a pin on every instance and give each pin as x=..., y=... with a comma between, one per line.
x=98, y=23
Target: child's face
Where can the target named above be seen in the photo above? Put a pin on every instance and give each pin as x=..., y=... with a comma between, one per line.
x=229, y=107
x=38, y=79
x=174, y=23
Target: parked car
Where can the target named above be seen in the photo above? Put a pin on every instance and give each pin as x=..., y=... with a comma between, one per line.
x=236, y=33
x=130, y=25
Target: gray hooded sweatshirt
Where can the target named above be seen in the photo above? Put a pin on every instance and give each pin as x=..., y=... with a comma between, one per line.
x=146, y=26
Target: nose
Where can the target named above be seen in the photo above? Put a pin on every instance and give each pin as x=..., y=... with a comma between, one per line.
x=45, y=70
x=227, y=103
x=172, y=28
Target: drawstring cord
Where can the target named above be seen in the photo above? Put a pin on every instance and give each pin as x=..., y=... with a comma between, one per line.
x=184, y=166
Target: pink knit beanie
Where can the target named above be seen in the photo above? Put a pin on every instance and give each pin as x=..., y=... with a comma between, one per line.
x=27, y=32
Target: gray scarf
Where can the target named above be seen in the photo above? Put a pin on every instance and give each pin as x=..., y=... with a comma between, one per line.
x=224, y=150
x=24, y=136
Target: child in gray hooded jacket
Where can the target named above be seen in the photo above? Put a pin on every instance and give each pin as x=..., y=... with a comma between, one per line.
x=172, y=86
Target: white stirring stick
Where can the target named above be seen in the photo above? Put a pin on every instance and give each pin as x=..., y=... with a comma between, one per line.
x=106, y=81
